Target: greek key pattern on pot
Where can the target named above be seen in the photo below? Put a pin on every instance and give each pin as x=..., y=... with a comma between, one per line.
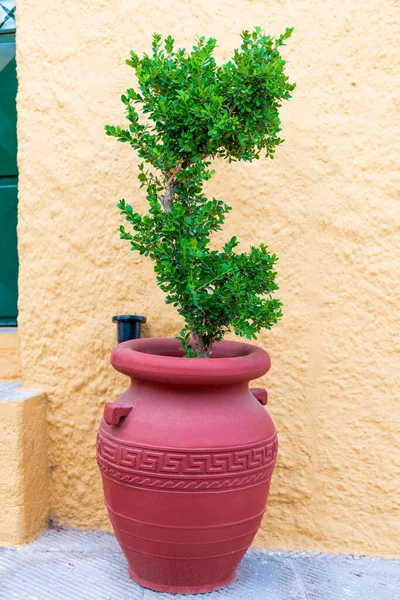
x=142, y=461
x=134, y=480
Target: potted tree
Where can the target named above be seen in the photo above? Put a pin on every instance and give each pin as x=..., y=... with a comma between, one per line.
x=187, y=452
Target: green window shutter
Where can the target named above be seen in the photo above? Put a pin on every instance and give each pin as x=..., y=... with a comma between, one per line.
x=8, y=108
x=8, y=170
x=8, y=251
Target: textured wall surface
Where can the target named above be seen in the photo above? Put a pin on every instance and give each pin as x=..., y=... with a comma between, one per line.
x=326, y=205
x=10, y=355
x=24, y=465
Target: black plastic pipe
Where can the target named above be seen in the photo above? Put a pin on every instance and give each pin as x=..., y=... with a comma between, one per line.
x=128, y=327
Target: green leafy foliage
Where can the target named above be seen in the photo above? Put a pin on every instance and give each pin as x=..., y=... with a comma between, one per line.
x=185, y=111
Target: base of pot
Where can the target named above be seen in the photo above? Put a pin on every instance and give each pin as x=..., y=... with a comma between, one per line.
x=181, y=589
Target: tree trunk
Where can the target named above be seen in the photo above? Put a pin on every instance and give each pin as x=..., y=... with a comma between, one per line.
x=202, y=349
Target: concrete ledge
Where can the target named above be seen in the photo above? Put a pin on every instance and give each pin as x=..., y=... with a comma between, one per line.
x=24, y=464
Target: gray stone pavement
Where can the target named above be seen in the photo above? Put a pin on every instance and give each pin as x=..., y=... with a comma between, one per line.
x=66, y=564
x=7, y=388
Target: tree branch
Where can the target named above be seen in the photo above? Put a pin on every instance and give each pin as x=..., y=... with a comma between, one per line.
x=202, y=350
x=230, y=110
x=170, y=187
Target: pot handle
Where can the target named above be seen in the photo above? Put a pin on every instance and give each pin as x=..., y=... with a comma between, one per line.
x=261, y=394
x=115, y=411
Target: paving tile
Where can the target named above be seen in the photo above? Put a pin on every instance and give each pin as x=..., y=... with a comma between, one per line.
x=67, y=564
x=346, y=577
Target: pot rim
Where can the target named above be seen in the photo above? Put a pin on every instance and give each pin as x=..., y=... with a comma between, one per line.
x=160, y=360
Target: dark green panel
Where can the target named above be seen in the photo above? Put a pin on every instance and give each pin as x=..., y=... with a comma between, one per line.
x=8, y=250
x=8, y=109
x=8, y=169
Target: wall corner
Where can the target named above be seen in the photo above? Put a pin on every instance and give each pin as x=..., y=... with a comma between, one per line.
x=24, y=464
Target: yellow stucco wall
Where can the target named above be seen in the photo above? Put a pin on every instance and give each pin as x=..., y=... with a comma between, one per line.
x=10, y=355
x=24, y=466
x=326, y=205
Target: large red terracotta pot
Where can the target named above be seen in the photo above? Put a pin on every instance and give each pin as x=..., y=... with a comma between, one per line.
x=186, y=455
